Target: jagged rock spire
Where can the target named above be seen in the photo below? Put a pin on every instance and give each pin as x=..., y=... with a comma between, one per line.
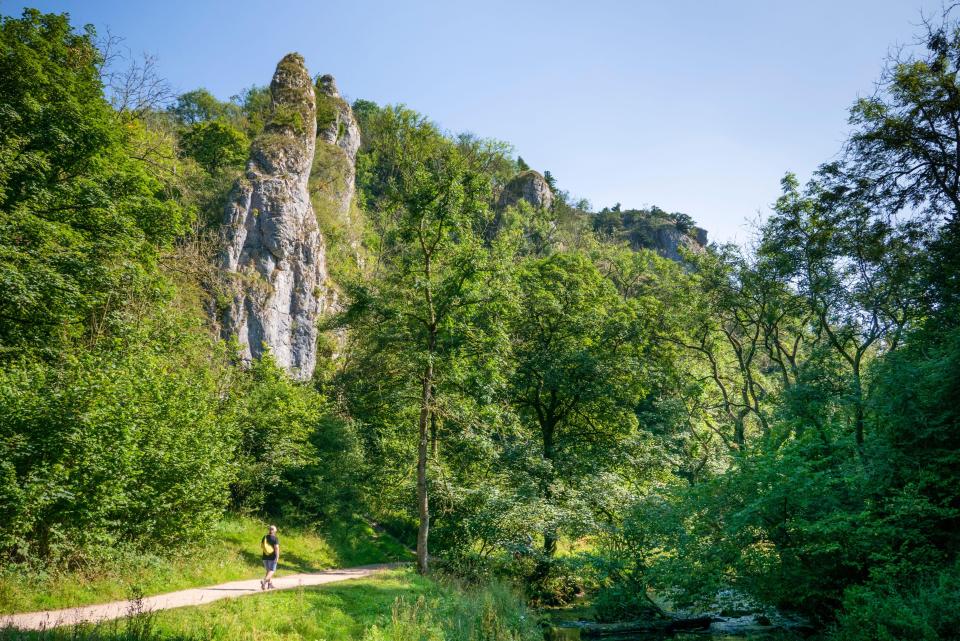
x=273, y=250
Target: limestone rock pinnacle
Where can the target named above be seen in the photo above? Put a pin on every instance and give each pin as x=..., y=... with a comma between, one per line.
x=272, y=247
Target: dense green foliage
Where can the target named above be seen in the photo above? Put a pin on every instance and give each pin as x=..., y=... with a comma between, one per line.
x=529, y=394
x=124, y=421
x=82, y=220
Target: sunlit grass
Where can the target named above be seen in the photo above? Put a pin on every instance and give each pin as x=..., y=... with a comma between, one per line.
x=231, y=553
x=398, y=604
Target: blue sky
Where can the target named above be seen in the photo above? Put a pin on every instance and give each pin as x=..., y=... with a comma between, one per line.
x=694, y=106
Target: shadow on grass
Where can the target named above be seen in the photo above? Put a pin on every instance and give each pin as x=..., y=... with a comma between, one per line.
x=288, y=562
x=125, y=630
x=296, y=563
x=358, y=543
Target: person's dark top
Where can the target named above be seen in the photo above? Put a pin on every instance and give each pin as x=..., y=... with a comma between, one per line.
x=274, y=541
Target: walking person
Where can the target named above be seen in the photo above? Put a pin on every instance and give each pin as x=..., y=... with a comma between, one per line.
x=270, y=547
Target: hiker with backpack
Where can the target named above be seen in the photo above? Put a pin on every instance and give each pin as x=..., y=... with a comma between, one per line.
x=270, y=548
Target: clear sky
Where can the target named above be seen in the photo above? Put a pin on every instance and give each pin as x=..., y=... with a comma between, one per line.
x=694, y=106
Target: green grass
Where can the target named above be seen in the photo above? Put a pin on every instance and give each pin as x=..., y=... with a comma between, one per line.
x=231, y=553
x=395, y=605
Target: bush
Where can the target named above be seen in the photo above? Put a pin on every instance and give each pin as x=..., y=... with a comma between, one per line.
x=215, y=145
x=117, y=446
x=928, y=611
x=556, y=581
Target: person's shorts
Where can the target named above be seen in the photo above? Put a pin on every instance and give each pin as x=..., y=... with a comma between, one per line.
x=270, y=565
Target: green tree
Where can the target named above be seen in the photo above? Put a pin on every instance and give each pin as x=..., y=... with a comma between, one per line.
x=577, y=377
x=80, y=215
x=215, y=145
x=199, y=105
x=854, y=269
x=904, y=149
x=255, y=109
x=275, y=418
x=434, y=268
x=128, y=446
x=488, y=156
x=551, y=181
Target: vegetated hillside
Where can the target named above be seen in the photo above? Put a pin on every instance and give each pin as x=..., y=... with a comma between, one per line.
x=653, y=228
x=500, y=375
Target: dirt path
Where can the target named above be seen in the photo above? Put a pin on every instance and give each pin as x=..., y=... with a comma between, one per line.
x=183, y=598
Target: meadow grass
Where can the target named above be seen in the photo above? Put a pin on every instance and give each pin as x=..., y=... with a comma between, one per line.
x=395, y=606
x=231, y=553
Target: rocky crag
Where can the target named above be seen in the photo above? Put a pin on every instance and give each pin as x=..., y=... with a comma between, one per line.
x=668, y=240
x=273, y=250
x=299, y=186
x=670, y=235
x=667, y=234
x=530, y=186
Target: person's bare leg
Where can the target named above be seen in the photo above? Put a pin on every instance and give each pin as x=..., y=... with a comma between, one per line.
x=269, y=579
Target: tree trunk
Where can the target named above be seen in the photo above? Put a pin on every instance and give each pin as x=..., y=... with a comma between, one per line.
x=858, y=410
x=422, y=497
x=550, y=535
x=433, y=429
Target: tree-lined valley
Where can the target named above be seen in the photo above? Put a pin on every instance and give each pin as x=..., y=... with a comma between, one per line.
x=405, y=344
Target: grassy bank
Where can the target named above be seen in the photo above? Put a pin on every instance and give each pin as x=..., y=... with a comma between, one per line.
x=396, y=605
x=230, y=553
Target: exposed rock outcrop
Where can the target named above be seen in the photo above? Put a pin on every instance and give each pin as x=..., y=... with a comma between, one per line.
x=701, y=235
x=530, y=186
x=338, y=139
x=667, y=234
x=273, y=248
x=668, y=241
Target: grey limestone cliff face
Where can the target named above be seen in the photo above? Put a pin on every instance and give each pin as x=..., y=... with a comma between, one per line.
x=701, y=234
x=668, y=242
x=652, y=229
x=530, y=186
x=338, y=139
x=272, y=247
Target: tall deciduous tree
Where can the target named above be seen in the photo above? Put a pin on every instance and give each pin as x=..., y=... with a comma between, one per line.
x=81, y=218
x=854, y=268
x=905, y=150
x=431, y=272
x=578, y=371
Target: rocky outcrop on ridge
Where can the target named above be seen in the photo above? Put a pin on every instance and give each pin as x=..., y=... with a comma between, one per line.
x=668, y=241
x=530, y=186
x=667, y=234
x=272, y=247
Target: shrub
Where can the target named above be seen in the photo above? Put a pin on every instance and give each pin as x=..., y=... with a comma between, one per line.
x=927, y=611
x=215, y=145
x=123, y=445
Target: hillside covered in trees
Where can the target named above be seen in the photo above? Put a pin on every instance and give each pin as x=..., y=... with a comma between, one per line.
x=289, y=306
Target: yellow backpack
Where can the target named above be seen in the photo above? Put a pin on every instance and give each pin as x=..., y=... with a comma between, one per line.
x=265, y=547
